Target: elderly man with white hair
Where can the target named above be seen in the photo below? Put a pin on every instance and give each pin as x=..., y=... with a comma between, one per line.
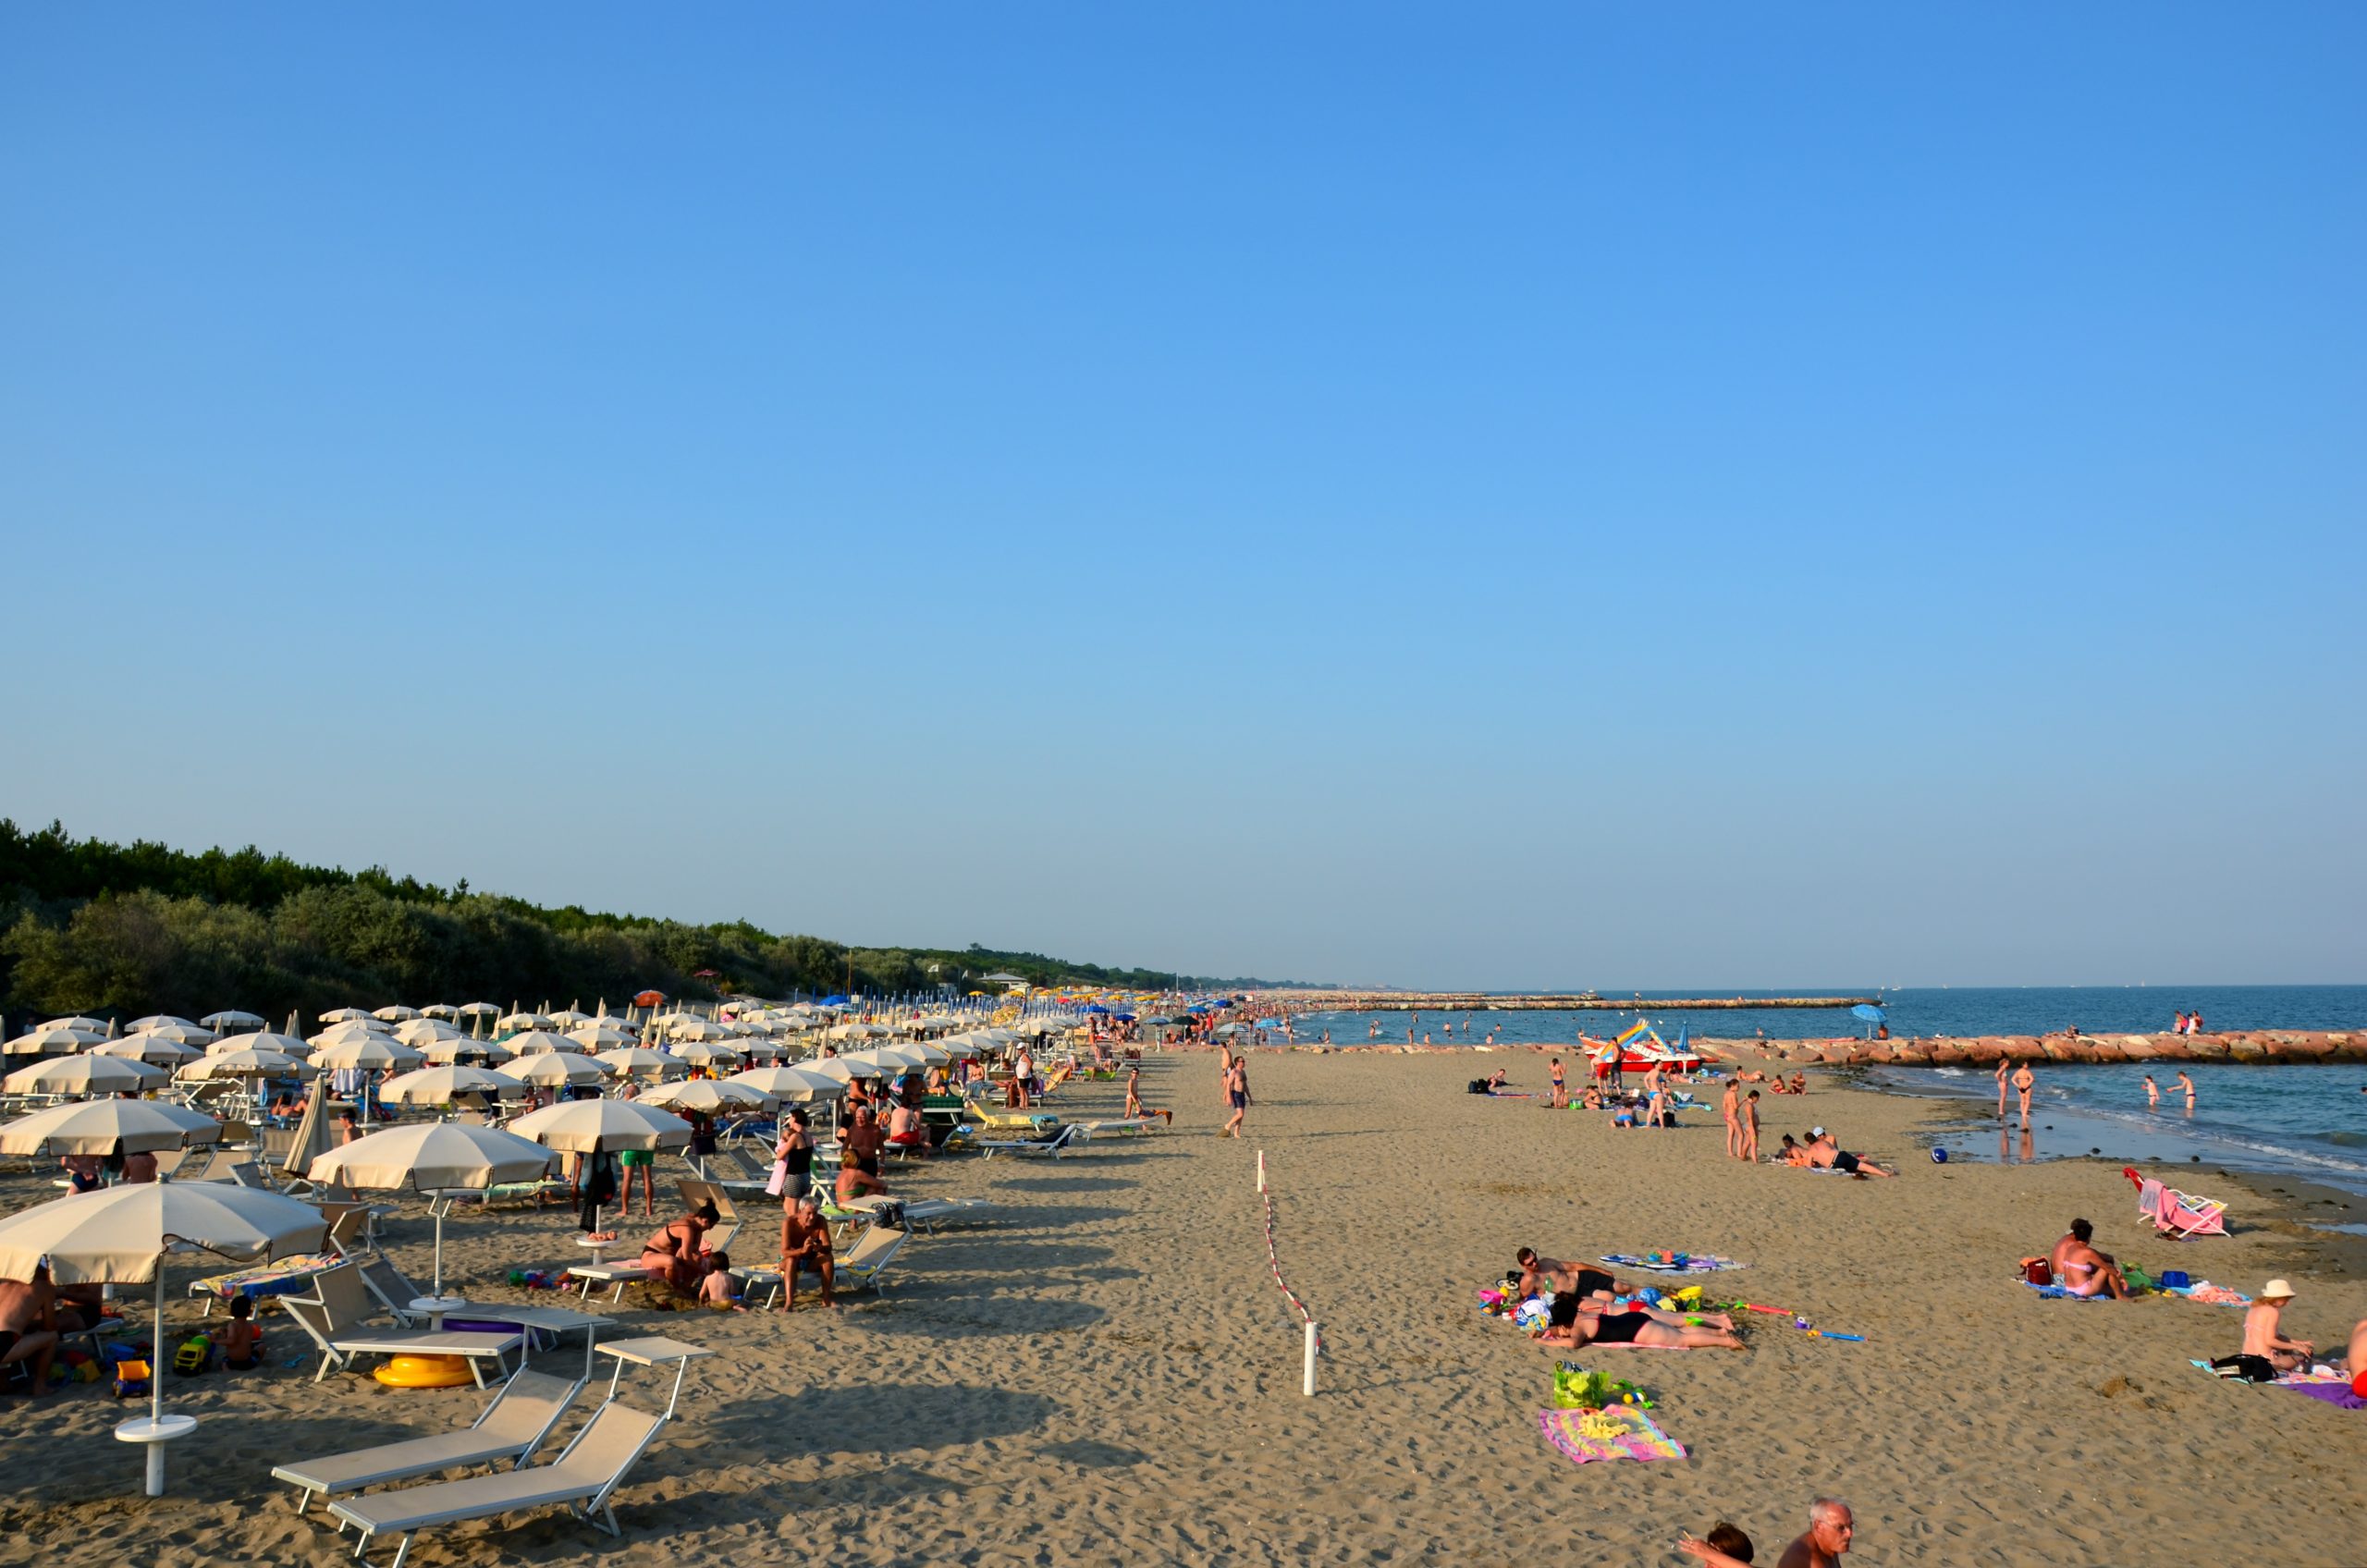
x=1829, y=1527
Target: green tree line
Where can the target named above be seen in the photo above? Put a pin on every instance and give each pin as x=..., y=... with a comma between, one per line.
x=96, y=928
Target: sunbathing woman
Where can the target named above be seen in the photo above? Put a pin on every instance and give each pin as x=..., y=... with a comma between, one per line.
x=672, y=1251
x=1568, y=1325
x=854, y=1181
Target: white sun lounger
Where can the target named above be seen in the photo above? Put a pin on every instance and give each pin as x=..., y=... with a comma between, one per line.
x=336, y=1316
x=509, y=1429
x=583, y=1479
x=858, y=1271
x=1056, y=1147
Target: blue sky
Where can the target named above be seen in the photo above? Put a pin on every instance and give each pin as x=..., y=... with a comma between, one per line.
x=1555, y=496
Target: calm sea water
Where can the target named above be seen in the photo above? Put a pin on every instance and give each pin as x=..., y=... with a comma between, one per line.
x=2298, y=1120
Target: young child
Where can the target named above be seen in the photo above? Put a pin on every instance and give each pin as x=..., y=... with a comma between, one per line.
x=241, y=1340
x=714, y=1291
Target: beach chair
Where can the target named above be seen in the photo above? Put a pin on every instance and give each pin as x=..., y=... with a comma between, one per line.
x=860, y=1270
x=929, y=1214
x=582, y=1479
x=727, y=1225
x=508, y=1432
x=184, y=1165
x=736, y=1169
x=2179, y=1216
x=1058, y=1146
x=336, y=1316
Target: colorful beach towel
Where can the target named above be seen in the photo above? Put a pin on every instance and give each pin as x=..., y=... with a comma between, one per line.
x=2060, y=1292
x=281, y=1278
x=1620, y=1432
x=2205, y=1291
x=1673, y=1262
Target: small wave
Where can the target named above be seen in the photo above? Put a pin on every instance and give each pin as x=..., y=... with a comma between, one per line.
x=2346, y=1140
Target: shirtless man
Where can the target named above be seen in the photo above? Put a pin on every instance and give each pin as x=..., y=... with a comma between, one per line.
x=1236, y=1094
x=28, y=1324
x=1730, y=1107
x=1829, y=1527
x=1574, y=1279
x=2023, y=1079
x=864, y=1140
x=2262, y=1321
x=672, y=1251
x=2005, y=1065
x=805, y=1243
x=1561, y=1087
x=905, y=1132
x=2188, y=1085
x=2081, y=1269
x=1750, y=1127
x=1823, y=1151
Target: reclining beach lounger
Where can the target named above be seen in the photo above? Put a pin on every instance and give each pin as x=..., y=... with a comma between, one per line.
x=336, y=1316
x=2181, y=1215
x=509, y=1429
x=583, y=1479
x=859, y=1270
x=1058, y=1146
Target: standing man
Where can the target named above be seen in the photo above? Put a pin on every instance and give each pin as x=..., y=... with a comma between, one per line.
x=1236, y=1094
x=1561, y=1089
x=2005, y=1065
x=2023, y=1079
x=2188, y=1085
x=1751, y=1128
x=1731, y=1109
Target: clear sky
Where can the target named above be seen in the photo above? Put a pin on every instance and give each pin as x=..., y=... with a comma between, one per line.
x=1648, y=496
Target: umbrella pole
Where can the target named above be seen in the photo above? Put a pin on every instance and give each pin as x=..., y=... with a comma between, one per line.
x=156, y=1388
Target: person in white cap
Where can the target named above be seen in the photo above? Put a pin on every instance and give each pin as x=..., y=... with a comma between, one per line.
x=2261, y=1322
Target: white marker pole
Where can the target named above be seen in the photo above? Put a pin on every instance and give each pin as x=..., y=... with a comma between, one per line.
x=1308, y=1387
x=1261, y=1171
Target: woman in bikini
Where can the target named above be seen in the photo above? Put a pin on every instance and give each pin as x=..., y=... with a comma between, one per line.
x=1568, y=1324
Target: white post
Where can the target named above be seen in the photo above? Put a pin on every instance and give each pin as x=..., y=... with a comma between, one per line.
x=1261, y=1171
x=1307, y=1387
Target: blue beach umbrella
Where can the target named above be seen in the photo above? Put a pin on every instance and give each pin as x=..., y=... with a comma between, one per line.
x=1869, y=1012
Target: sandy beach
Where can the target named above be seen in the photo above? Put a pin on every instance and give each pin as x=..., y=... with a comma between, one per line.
x=1107, y=1373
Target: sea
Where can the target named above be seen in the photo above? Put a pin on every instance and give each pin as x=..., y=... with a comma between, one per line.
x=2303, y=1120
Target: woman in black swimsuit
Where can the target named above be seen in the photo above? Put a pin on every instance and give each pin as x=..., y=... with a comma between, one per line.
x=1654, y=1331
x=796, y=1150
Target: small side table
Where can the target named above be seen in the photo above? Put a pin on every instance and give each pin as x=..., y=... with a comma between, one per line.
x=154, y=1433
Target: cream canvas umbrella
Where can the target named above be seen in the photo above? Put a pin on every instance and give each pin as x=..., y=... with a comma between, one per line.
x=762, y=1051
x=285, y=1045
x=244, y=1063
x=539, y=1042
x=642, y=1062
x=179, y=1034
x=338, y=1034
x=439, y=1009
x=105, y=1127
x=602, y=1126
x=312, y=1133
x=790, y=1083
x=395, y=1014
x=485, y=1053
x=522, y=1021
x=120, y=1235
x=567, y=1018
x=345, y=1015
x=839, y=1069
x=603, y=1035
x=709, y=1096
x=230, y=1018
x=83, y=1075
x=52, y=1040
x=477, y=1010
x=155, y=1020
x=149, y=1048
x=557, y=1070
x=371, y=1053
x=703, y=1053
x=421, y=1033
x=88, y=1025
x=442, y=1086
x=701, y=1029
x=439, y=1159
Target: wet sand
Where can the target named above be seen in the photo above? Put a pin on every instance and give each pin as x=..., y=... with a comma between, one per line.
x=1109, y=1374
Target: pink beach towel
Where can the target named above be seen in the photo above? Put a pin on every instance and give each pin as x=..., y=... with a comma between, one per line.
x=1642, y=1439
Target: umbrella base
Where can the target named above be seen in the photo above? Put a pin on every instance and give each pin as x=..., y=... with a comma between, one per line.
x=154, y=1432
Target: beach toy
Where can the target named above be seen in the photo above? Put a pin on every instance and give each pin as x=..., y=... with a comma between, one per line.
x=424, y=1372
x=1939, y=1155
x=1829, y=1334
x=130, y=1379
x=196, y=1353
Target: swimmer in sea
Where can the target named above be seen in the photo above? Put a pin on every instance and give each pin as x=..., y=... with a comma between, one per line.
x=2152, y=1094
x=2188, y=1085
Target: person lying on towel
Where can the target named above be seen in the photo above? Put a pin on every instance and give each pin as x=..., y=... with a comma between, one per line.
x=1568, y=1323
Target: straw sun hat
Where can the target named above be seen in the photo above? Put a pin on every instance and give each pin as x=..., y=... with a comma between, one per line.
x=2277, y=1290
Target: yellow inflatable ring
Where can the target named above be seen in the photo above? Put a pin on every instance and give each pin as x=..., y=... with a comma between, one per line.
x=424, y=1372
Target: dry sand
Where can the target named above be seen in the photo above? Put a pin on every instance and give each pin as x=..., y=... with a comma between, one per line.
x=1109, y=1375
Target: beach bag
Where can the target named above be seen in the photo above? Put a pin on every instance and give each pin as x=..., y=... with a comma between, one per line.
x=2175, y=1280
x=2037, y=1272
x=1477, y=1086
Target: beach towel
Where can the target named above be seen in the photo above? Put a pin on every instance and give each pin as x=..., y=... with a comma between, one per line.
x=2059, y=1292
x=2335, y=1393
x=284, y=1277
x=1619, y=1432
x=2210, y=1295
x=1673, y=1263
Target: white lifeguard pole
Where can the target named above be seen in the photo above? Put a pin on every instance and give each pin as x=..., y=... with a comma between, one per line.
x=1307, y=1387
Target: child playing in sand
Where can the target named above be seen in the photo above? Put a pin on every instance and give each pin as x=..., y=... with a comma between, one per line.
x=714, y=1291
x=241, y=1340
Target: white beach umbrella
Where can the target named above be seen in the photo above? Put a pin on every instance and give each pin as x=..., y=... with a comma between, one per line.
x=537, y=1042
x=603, y=1035
x=86, y=1025
x=367, y=1053
x=476, y=1009
x=641, y=1062
x=157, y=1020
x=701, y=1029
x=52, y=1040
x=285, y=1045
x=442, y=1086
x=567, y=1018
x=179, y=1034
x=230, y=1018
x=485, y=1052
x=395, y=1014
x=790, y=1083
x=149, y=1048
x=439, y=1009
x=524, y=1020
x=709, y=1095
x=120, y=1235
x=763, y=1050
x=421, y=1033
x=702, y=1053
x=436, y=1159
x=353, y=1029
x=105, y=1127
x=83, y=1075
x=345, y=1015
x=839, y=1069
x=557, y=1070
x=244, y=1063
x=594, y=1126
